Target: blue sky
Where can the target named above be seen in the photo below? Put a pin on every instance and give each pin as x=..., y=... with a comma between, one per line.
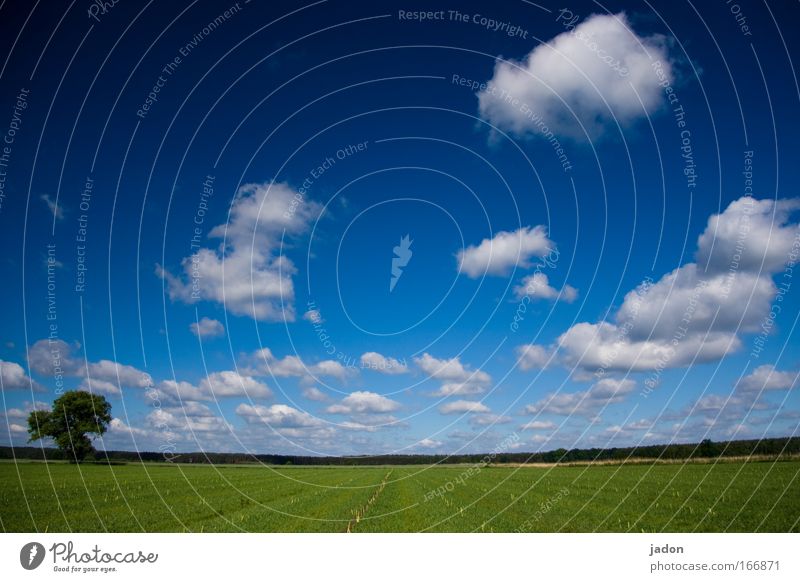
x=202, y=203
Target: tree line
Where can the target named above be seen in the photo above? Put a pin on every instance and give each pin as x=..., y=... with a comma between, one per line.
x=706, y=449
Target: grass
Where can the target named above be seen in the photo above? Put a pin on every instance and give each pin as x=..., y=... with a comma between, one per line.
x=740, y=497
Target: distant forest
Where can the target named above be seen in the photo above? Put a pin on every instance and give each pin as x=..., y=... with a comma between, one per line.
x=706, y=449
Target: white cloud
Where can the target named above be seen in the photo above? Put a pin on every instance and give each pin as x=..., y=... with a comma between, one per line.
x=119, y=374
x=191, y=423
x=593, y=75
x=584, y=403
x=460, y=389
x=363, y=402
x=315, y=394
x=96, y=386
x=533, y=357
x=365, y=414
x=429, y=444
x=278, y=416
x=286, y=367
x=248, y=275
x=190, y=408
x=728, y=275
x=13, y=377
x=462, y=407
x=541, y=439
x=695, y=313
x=49, y=358
x=762, y=225
x=383, y=364
x=716, y=302
x=330, y=368
x=177, y=424
x=538, y=425
x=16, y=413
x=289, y=422
x=45, y=355
x=173, y=391
x=372, y=425
x=230, y=383
x=497, y=256
x=623, y=430
x=207, y=327
x=313, y=316
x=601, y=346
x=53, y=207
x=21, y=414
x=489, y=419
x=292, y=366
x=641, y=424
x=766, y=377
x=457, y=380
x=614, y=430
x=744, y=412
x=740, y=406
x=537, y=286
x=119, y=427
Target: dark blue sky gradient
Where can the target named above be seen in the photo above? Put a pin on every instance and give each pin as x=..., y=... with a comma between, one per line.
x=277, y=89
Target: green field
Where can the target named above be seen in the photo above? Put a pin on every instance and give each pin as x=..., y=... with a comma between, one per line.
x=742, y=497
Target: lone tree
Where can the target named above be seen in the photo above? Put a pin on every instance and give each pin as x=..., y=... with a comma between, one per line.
x=75, y=414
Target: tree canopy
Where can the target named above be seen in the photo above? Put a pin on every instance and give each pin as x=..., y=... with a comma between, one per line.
x=75, y=415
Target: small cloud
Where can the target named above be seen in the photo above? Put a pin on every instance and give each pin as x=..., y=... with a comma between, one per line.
x=13, y=377
x=277, y=416
x=207, y=328
x=586, y=403
x=364, y=402
x=429, y=444
x=266, y=363
x=533, y=357
x=313, y=316
x=463, y=406
x=57, y=210
x=95, y=386
x=315, y=394
x=383, y=364
x=538, y=425
x=765, y=378
x=507, y=250
x=231, y=383
x=489, y=419
x=457, y=379
x=537, y=286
